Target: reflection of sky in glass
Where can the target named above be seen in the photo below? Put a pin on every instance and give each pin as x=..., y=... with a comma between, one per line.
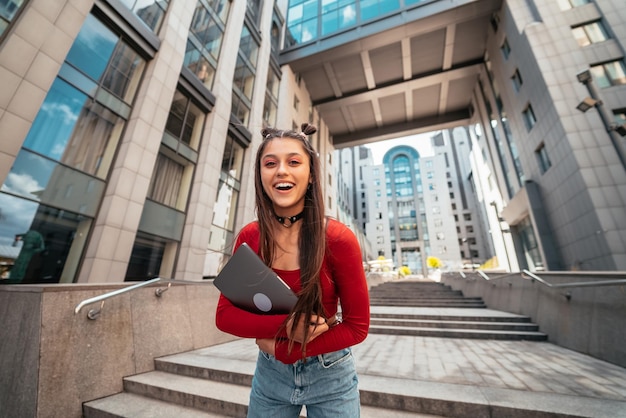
x=55, y=121
x=16, y=217
x=29, y=175
x=92, y=48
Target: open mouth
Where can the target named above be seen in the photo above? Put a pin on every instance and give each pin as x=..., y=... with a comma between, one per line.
x=284, y=186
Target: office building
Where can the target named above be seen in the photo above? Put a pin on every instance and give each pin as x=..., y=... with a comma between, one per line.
x=128, y=129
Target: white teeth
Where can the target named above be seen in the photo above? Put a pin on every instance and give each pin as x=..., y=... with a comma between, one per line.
x=284, y=186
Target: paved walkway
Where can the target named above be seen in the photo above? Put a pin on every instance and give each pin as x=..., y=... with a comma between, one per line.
x=512, y=371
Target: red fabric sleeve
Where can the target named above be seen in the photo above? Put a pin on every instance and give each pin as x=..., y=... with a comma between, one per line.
x=237, y=321
x=344, y=276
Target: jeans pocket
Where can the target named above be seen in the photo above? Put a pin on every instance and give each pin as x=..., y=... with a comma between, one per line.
x=329, y=360
x=265, y=355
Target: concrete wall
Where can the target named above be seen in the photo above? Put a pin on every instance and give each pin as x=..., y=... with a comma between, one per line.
x=592, y=321
x=53, y=360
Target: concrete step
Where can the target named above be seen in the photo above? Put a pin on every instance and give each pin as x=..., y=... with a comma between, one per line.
x=430, y=304
x=458, y=333
x=424, y=323
x=419, y=298
x=381, y=396
x=464, y=401
x=164, y=395
x=136, y=406
x=445, y=314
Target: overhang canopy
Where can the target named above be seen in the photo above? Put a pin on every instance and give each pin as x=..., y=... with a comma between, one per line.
x=407, y=73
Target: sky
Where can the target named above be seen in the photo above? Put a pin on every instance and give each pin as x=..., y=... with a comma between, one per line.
x=420, y=142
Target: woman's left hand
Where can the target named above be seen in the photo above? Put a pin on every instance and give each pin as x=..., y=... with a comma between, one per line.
x=267, y=345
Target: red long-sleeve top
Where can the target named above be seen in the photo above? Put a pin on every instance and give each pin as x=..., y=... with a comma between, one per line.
x=343, y=282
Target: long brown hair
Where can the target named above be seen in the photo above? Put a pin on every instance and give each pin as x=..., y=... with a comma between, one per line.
x=312, y=238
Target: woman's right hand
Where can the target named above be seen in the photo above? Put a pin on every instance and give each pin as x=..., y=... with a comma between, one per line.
x=317, y=326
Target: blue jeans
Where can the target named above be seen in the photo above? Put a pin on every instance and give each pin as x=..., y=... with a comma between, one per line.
x=327, y=384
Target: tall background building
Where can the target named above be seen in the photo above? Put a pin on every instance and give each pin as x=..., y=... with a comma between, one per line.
x=128, y=129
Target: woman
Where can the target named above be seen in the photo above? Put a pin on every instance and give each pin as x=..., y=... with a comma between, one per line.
x=305, y=357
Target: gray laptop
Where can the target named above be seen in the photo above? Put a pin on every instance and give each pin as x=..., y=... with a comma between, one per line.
x=251, y=285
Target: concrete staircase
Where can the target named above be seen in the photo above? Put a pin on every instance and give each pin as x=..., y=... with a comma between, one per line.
x=421, y=294
x=430, y=309
x=215, y=381
x=200, y=384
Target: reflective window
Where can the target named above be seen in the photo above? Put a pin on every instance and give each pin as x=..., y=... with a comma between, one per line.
x=171, y=179
x=529, y=117
x=517, y=80
x=590, y=33
x=371, y=9
x=308, y=20
x=568, y=4
x=225, y=209
x=146, y=257
x=337, y=15
x=543, y=159
x=74, y=130
x=9, y=10
x=185, y=121
x=302, y=19
x=270, y=107
x=609, y=74
x=57, y=179
x=151, y=12
x=39, y=244
x=254, y=10
x=205, y=39
x=506, y=49
x=100, y=54
x=37, y=178
x=232, y=160
x=532, y=256
x=243, y=79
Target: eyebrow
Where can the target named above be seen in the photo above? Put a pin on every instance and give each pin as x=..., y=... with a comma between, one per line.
x=291, y=154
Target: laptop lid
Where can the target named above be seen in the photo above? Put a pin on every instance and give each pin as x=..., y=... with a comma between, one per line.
x=251, y=285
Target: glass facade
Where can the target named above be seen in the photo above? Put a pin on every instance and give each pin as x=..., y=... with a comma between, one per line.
x=245, y=72
x=151, y=12
x=308, y=20
x=225, y=208
x=205, y=39
x=53, y=190
x=405, y=203
x=9, y=10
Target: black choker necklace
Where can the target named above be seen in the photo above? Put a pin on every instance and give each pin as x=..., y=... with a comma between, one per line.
x=287, y=221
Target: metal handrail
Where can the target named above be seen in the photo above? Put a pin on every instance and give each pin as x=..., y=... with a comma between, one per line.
x=576, y=284
x=93, y=314
x=524, y=273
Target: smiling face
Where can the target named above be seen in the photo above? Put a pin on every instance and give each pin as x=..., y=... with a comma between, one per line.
x=285, y=175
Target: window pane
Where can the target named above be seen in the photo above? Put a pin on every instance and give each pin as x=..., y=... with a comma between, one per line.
x=78, y=132
x=596, y=32
x=56, y=120
x=38, y=178
x=8, y=11
x=616, y=72
x=151, y=12
x=225, y=207
x=123, y=74
x=166, y=181
x=92, y=48
x=600, y=77
x=46, y=242
x=581, y=36
x=145, y=259
x=232, y=161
